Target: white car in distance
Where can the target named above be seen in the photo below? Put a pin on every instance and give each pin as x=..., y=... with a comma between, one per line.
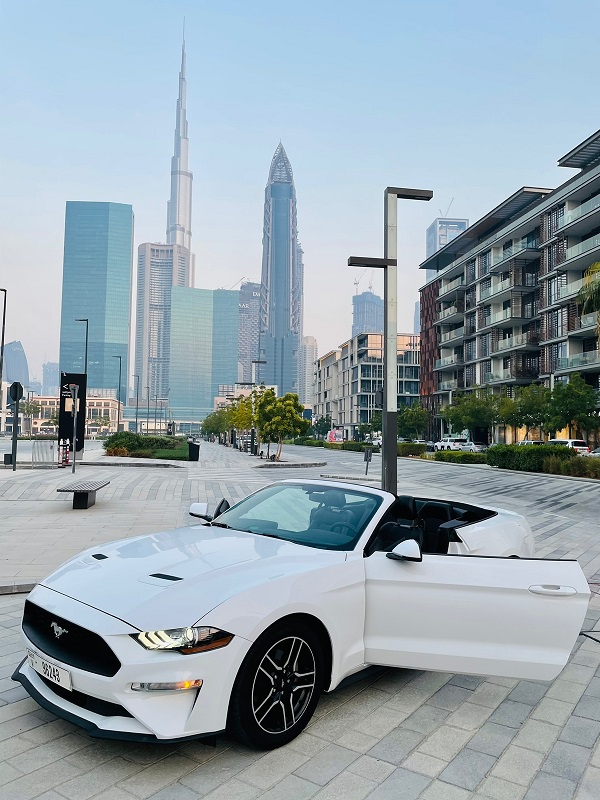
x=450, y=443
x=242, y=623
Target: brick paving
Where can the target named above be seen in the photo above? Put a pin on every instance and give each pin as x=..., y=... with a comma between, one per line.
x=399, y=734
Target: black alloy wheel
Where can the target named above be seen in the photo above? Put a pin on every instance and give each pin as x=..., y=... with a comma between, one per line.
x=278, y=687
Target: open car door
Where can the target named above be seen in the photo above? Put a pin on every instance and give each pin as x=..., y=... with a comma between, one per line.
x=516, y=618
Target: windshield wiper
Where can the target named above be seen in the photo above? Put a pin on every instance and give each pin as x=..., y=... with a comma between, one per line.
x=219, y=525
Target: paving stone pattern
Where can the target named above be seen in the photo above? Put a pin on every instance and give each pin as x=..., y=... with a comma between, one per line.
x=397, y=735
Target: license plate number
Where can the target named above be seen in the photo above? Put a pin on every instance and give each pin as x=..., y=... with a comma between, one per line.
x=50, y=671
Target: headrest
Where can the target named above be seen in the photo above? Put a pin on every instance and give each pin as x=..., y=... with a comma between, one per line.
x=333, y=498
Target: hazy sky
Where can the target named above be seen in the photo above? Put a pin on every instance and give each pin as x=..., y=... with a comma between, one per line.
x=470, y=98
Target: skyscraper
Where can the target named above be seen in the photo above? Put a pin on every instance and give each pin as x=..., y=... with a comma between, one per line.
x=367, y=313
x=97, y=271
x=163, y=266
x=50, y=379
x=15, y=367
x=282, y=279
x=441, y=231
x=308, y=355
x=248, y=349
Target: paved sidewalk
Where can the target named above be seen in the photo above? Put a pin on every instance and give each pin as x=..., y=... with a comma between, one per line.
x=399, y=735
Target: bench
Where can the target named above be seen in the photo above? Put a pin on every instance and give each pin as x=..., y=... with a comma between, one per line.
x=84, y=493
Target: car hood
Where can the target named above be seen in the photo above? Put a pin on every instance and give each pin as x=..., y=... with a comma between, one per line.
x=173, y=579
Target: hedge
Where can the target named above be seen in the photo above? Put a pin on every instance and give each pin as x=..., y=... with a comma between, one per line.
x=460, y=457
x=527, y=458
x=582, y=467
x=309, y=442
x=410, y=449
x=359, y=447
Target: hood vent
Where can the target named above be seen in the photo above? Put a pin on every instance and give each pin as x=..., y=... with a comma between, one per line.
x=99, y=556
x=164, y=577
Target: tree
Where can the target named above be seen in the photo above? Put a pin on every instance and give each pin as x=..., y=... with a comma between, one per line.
x=322, y=426
x=508, y=413
x=282, y=419
x=533, y=407
x=376, y=421
x=472, y=410
x=413, y=421
x=29, y=408
x=589, y=295
x=574, y=404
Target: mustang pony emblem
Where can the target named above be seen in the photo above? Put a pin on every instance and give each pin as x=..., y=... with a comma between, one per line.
x=58, y=631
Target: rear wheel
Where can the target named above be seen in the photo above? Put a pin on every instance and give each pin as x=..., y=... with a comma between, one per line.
x=278, y=687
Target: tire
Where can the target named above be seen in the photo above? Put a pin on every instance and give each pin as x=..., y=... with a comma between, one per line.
x=282, y=673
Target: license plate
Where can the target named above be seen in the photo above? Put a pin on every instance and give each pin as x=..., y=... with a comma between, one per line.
x=49, y=670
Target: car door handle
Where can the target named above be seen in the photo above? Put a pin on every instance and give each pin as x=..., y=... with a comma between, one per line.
x=553, y=589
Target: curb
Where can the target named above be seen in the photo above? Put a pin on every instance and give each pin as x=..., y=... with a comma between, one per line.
x=287, y=464
x=593, y=481
x=16, y=588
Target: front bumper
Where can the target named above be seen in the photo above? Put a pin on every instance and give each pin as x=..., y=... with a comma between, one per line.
x=108, y=707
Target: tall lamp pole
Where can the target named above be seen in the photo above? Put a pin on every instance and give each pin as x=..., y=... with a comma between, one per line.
x=137, y=400
x=155, y=408
x=389, y=460
x=119, y=395
x=87, y=325
x=2, y=346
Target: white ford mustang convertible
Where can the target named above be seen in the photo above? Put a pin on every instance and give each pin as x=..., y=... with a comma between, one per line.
x=242, y=622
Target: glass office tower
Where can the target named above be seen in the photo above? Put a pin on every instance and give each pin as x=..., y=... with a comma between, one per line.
x=97, y=269
x=282, y=280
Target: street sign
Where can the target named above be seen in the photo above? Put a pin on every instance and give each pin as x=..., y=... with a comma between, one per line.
x=16, y=391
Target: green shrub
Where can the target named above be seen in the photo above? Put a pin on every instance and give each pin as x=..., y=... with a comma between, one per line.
x=333, y=445
x=141, y=453
x=306, y=442
x=528, y=458
x=410, y=449
x=358, y=447
x=174, y=454
x=582, y=467
x=552, y=464
x=126, y=439
x=460, y=457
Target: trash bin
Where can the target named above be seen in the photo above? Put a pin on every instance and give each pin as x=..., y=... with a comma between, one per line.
x=7, y=459
x=193, y=450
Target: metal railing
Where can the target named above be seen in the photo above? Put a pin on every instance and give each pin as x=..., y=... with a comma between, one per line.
x=590, y=205
x=455, y=334
x=582, y=360
x=583, y=247
x=452, y=285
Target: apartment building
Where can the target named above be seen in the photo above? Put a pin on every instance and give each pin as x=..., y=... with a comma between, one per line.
x=502, y=310
x=348, y=379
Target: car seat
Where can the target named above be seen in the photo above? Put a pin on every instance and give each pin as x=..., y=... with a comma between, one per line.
x=332, y=512
x=431, y=516
x=392, y=533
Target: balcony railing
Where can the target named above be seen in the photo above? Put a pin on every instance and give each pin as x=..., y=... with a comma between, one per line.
x=500, y=287
x=448, y=361
x=448, y=386
x=517, y=341
x=514, y=250
x=455, y=284
x=491, y=377
x=455, y=334
x=586, y=321
x=581, y=360
x=583, y=247
x=590, y=205
x=448, y=312
x=568, y=289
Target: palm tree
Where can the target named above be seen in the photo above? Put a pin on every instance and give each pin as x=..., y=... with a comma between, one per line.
x=589, y=294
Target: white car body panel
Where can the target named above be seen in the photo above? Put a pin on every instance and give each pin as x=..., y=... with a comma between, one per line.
x=466, y=614
x=473, y=615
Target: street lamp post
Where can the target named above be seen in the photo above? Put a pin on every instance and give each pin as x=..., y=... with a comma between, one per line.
x=155, y=407
x=2, y=346
x=119, y=395
x=87, y=325
x=389, y=459
x=137, y=400
x=148, y=411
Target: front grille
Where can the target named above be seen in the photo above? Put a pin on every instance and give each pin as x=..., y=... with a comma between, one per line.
x=93, y=704
x=75, y=646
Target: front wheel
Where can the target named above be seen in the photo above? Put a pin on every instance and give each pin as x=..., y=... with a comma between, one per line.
x=277, y=688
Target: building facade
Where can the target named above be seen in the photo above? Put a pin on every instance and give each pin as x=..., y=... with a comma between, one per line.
x=248, y=337
x=15, y=366
x=97, y=274
x=282, y=280
x=309, y=353
x=367, y=313
x=504, y=301
x=160, y=266
x=204, y=350
x=347, y=380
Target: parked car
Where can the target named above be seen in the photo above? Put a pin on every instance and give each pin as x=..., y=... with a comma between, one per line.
x=241, y=623
x=530, y=441
x=450, y=443
x=474, y=447
x=595, y=453
x=576, y=444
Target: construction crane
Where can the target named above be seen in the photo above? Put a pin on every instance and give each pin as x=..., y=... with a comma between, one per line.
x=234, y=284
x=358, y=280
x=442, y=215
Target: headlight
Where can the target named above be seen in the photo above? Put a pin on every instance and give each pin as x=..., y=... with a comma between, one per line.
x=184, y=640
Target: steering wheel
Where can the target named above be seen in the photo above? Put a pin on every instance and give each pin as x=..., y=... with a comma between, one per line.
x=348, y=527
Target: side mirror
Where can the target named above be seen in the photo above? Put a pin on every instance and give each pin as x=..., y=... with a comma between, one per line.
x=221, y=507
x=408, y=550
x=200, y=510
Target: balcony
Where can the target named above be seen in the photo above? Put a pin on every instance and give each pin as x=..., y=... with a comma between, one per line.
x=526, y=251
x=581, y=327
x=529, y=339
x=497, y=289
x=449, y=361
x=517, y=374
x=452, y=312
x=577, y=362
x=569, y=289
x=458, y=333
x=581, y=219
x=448, y=386
x=455, y=285
x=494, y=377
x=575, y=257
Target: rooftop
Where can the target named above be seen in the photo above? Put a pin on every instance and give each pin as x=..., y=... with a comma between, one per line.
x=585, y=155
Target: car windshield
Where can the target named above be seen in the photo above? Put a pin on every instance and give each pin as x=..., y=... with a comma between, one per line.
x=308, y=514
x=579, y=443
